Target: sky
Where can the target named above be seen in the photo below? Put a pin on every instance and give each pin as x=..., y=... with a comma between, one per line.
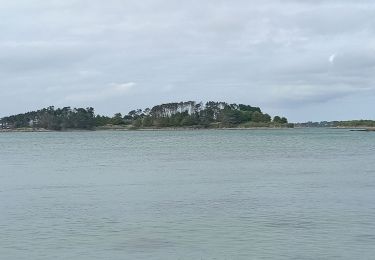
x=308, y=60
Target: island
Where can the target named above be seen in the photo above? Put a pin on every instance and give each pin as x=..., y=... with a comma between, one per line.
x=353, y=125
x=176, y=115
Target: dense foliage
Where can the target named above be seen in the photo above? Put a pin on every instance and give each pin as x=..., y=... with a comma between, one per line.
x=182, y=114
x=53, y=119
x=193, y=114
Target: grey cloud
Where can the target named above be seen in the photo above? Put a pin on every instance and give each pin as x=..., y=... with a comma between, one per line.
x=20, y=57
x=302, y=95
x=273, y=54
x=104, y=93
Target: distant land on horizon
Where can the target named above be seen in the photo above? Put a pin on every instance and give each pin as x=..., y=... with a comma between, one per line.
x=189, y=114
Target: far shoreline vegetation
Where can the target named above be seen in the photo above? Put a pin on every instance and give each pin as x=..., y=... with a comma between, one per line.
x=177, y=115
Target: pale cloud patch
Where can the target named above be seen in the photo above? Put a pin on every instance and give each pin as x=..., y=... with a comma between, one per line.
x=167, y=88
x=88, y=73
x=332, y=58
x=111, y=91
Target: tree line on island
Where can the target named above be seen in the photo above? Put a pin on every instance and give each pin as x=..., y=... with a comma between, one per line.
x=178, y=114
x=337, y=124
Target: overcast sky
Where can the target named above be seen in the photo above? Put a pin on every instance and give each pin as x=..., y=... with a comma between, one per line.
x=305, y=59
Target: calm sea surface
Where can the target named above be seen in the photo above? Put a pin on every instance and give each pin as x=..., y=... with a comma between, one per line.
x=254, y=194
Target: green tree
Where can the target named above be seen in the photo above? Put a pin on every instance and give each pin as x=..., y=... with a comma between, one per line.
x=117, y=119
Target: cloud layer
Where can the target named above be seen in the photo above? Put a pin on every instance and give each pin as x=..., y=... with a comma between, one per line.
x=296, y=58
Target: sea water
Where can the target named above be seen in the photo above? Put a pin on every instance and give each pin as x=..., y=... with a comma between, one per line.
x=203, y=194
